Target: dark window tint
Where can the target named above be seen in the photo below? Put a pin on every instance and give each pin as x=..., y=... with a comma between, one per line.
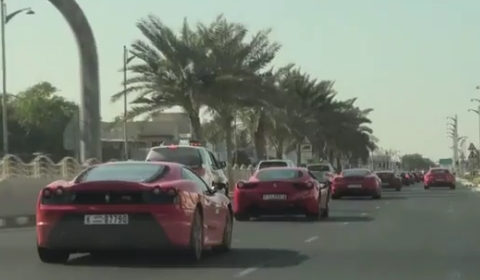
x=319, y=175
x=267, y=164
x=355, y=172
x=279, y=174
x=183, y=155
x=318, y=167
x=440, y=171
x=135, y=172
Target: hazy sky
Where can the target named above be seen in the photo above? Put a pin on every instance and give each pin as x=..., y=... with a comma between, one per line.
x=414, y=61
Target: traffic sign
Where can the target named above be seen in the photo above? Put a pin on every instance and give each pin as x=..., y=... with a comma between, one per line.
x=472, y=147
x=472, y=154
x=445, y=162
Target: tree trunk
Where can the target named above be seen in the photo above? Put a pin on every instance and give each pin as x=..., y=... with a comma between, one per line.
x=299, y=154
x=339, y=162
x=259, y=137
x=331, y=156
x=279, y=149
x=227, y=126
x=196, y=126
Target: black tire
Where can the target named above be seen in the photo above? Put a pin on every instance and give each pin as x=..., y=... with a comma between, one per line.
x=426, y=187
x=398, y=189
x=453, y=187
x=52, y=256
x=377, y=196
x=227, y=236
x=325, y=213
x=242, y=217
x=335, y=196
x=195, y=247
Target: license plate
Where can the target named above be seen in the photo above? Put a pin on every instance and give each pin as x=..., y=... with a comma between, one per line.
x=385, y=184
x=274, y=197
x=439, y=180
x=354, y=186
x=108, y=219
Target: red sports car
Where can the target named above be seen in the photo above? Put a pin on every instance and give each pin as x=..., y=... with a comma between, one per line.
x=132, y=206
x=439, y=177
x=281, y=191
x=356, y=182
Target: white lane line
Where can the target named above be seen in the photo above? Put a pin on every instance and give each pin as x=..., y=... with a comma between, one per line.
x=246, y=272
x=378, y=207
x=363, y=214
x=345, y=223
x=454, y=275
x=450, y=211
x=387, y=202
x=311, y=239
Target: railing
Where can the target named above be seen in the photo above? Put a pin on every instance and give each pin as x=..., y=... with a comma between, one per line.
x=67, y=168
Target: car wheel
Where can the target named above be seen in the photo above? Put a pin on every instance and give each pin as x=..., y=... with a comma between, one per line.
x=377, y=196
x=196, y=237
x=453, y=187
x=426, y=187
x=398, y=189
x=242, y=217
x=325, y=213
x=227, y=236
x=335, y=196
x=52, y=256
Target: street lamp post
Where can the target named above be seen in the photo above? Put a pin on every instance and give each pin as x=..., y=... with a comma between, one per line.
x=5, y=19
x=126, y=60
x=453, y=133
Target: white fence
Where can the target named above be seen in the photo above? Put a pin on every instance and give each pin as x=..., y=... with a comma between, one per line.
x=43, y=167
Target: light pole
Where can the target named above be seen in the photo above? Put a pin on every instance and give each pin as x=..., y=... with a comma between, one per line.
x=453, y=133
x=5, y=19
x=126, y=61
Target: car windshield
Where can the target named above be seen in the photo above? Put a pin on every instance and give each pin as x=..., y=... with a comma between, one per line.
x=279, y=174
x=355, y=172
x=267, y=164
x=184, y=155
x=134, y=172
x=318, y=167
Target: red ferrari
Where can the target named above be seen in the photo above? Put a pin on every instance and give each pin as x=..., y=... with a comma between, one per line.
x=356, y=182
x=439, y=177
x=281, y=191
x=132, y=206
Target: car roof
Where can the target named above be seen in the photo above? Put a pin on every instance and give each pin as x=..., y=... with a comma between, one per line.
x=165, y=163
x=275, y=160
x=319, y=164
x=178, y=146
x=385, y=171
x=359, y=169
x=284, y=168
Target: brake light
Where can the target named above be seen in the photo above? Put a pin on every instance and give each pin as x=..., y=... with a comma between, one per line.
x=54, y=196
x=337, y=179
x=310, y=184
x=245, y=185
x=172, y=146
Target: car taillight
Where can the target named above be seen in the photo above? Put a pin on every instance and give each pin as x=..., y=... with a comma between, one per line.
x=54, y=196
x=337, y=179
x=309, y=184
x=245, y=185
x=161, y=195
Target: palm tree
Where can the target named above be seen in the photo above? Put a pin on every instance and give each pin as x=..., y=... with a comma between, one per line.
x=235, y=66
x=170, y=72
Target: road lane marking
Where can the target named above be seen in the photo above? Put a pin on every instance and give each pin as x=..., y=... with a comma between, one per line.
x=450, y=211
x=311, y=239
x=454, y=275
x=387, y=202
x=378, y=207
x=363, y=214
x=345, y=223
x=246, y=272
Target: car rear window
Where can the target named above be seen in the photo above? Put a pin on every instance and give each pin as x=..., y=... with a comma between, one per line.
x=318, y=167
x=279, y=174
x=267, y=164
x=355, y=172
x=440, y=171
x=184, y=155
x=134, y=172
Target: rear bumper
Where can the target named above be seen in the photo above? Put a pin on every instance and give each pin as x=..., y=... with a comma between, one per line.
x=354, y=192
x=145, y=232
x=254, y=205
x=439, y=184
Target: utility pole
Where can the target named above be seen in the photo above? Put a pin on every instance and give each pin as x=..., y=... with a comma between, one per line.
x=453, y=133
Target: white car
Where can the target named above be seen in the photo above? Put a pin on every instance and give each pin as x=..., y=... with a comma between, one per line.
x=275, y=163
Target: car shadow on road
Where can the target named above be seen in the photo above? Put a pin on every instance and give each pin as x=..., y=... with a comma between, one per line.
x=300, y=219
x=384, y=197
x=348, y=219
x=236, y=258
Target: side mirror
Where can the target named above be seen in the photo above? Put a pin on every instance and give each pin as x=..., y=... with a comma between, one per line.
x=222, y=164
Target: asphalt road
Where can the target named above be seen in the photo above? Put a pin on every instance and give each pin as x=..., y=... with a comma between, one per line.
x=414, y=234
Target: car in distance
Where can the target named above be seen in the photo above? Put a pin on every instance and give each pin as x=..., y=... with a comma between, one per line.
x=390, y=180
x=281, y=191
x=439, y=177
x=274, y=163
x=356, y=182
x=194, y=155
x=323, y=171
x=405, y=178
x=132, y=206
